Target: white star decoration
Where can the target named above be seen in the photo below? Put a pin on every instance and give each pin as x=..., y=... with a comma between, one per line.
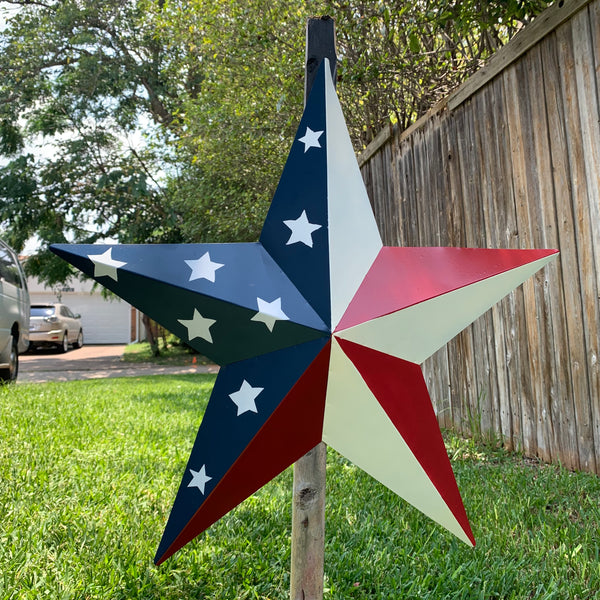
x=310, y=139
x=244, y=398
x=198, y=326
x=203, y=268
x=269, y=312
x=301, y=230
x=105, y=264
x=199, y=479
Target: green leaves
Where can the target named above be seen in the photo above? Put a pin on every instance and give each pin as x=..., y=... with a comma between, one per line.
x=151, y=120
x=414, y=44
x=77, y=78
x=11, y=140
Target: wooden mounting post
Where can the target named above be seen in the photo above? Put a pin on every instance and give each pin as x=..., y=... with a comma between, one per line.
x=308, y=503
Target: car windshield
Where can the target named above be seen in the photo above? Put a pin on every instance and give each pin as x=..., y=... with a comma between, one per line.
x=42, y=311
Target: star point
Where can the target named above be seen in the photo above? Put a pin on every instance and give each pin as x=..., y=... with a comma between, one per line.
x=269, y=313
x=311, y=139
x=199, y=479
x=245, y=398
x=203, y=268
x=198, y=326
x=301, y=229
x=105, y=265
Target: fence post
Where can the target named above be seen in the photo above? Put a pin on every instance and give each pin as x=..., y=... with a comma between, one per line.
x=308, y=502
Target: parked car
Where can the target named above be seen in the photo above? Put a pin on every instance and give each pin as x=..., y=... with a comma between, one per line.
x=54, y=325
x=14, y=313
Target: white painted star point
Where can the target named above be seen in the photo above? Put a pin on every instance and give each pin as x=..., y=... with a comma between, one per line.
x=302, y=230
x=203, y=268
x=199, y=479
x=245, y=398
x=311, y=139
x=269, y=313
x=105, y=265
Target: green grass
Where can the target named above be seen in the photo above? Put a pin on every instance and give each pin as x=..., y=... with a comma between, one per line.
x=88, y=472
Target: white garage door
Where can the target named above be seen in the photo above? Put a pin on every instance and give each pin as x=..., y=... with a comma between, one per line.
x=103, y=321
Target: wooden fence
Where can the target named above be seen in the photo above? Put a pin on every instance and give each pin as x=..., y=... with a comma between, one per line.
x=512, y=160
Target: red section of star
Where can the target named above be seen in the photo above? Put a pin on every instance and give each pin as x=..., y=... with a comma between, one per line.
x=402, y=392
x=401, y=277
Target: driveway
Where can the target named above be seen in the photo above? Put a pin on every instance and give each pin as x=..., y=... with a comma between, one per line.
x=92, y=362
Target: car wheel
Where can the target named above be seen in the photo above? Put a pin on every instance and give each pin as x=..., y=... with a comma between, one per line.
x=64, y=346
x=79, y=341
x=10, y=374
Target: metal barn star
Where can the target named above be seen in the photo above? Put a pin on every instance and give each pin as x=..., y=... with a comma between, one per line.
x=319, y=331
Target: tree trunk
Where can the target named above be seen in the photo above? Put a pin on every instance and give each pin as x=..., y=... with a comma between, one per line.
x=150, y=337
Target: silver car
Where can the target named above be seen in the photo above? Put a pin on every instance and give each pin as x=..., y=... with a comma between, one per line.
x=14, y=313
x=54, y=325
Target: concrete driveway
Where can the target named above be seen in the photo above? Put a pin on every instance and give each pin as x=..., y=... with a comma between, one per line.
x=91, y=362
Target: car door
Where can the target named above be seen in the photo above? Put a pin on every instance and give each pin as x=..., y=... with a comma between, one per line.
x=14, y=302
x=24, y=306
x=7, y=302
x=72, y=324
x=9, y=294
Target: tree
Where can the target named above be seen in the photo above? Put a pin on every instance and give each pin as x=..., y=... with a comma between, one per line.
x=80, y=77
x=216, y=87
x=399, y=58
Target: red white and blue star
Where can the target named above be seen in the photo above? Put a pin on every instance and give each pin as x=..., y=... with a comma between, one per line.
x=319, y=330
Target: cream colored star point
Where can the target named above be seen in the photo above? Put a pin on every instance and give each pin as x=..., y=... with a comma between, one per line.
x=198, y=326
x=105, y=265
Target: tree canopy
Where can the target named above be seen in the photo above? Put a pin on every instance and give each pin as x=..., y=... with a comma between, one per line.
x=169, y=120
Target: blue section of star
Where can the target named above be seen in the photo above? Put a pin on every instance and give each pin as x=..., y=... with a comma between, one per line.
x=223, y=434
x=303, y=188
x=156, y=280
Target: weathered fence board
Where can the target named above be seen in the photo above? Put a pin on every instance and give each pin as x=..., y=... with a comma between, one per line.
x=565, y=303
x=576, y=161
x=512, y=160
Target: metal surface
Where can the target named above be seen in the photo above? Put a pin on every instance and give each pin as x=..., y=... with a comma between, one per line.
x=288, y=380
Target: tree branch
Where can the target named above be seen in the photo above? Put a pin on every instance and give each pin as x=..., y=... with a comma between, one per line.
x=146, y=170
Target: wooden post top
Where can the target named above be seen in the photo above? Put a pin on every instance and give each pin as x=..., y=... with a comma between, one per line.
x=320, y=44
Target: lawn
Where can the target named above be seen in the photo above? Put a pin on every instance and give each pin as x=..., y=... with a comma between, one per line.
x=88, y=472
